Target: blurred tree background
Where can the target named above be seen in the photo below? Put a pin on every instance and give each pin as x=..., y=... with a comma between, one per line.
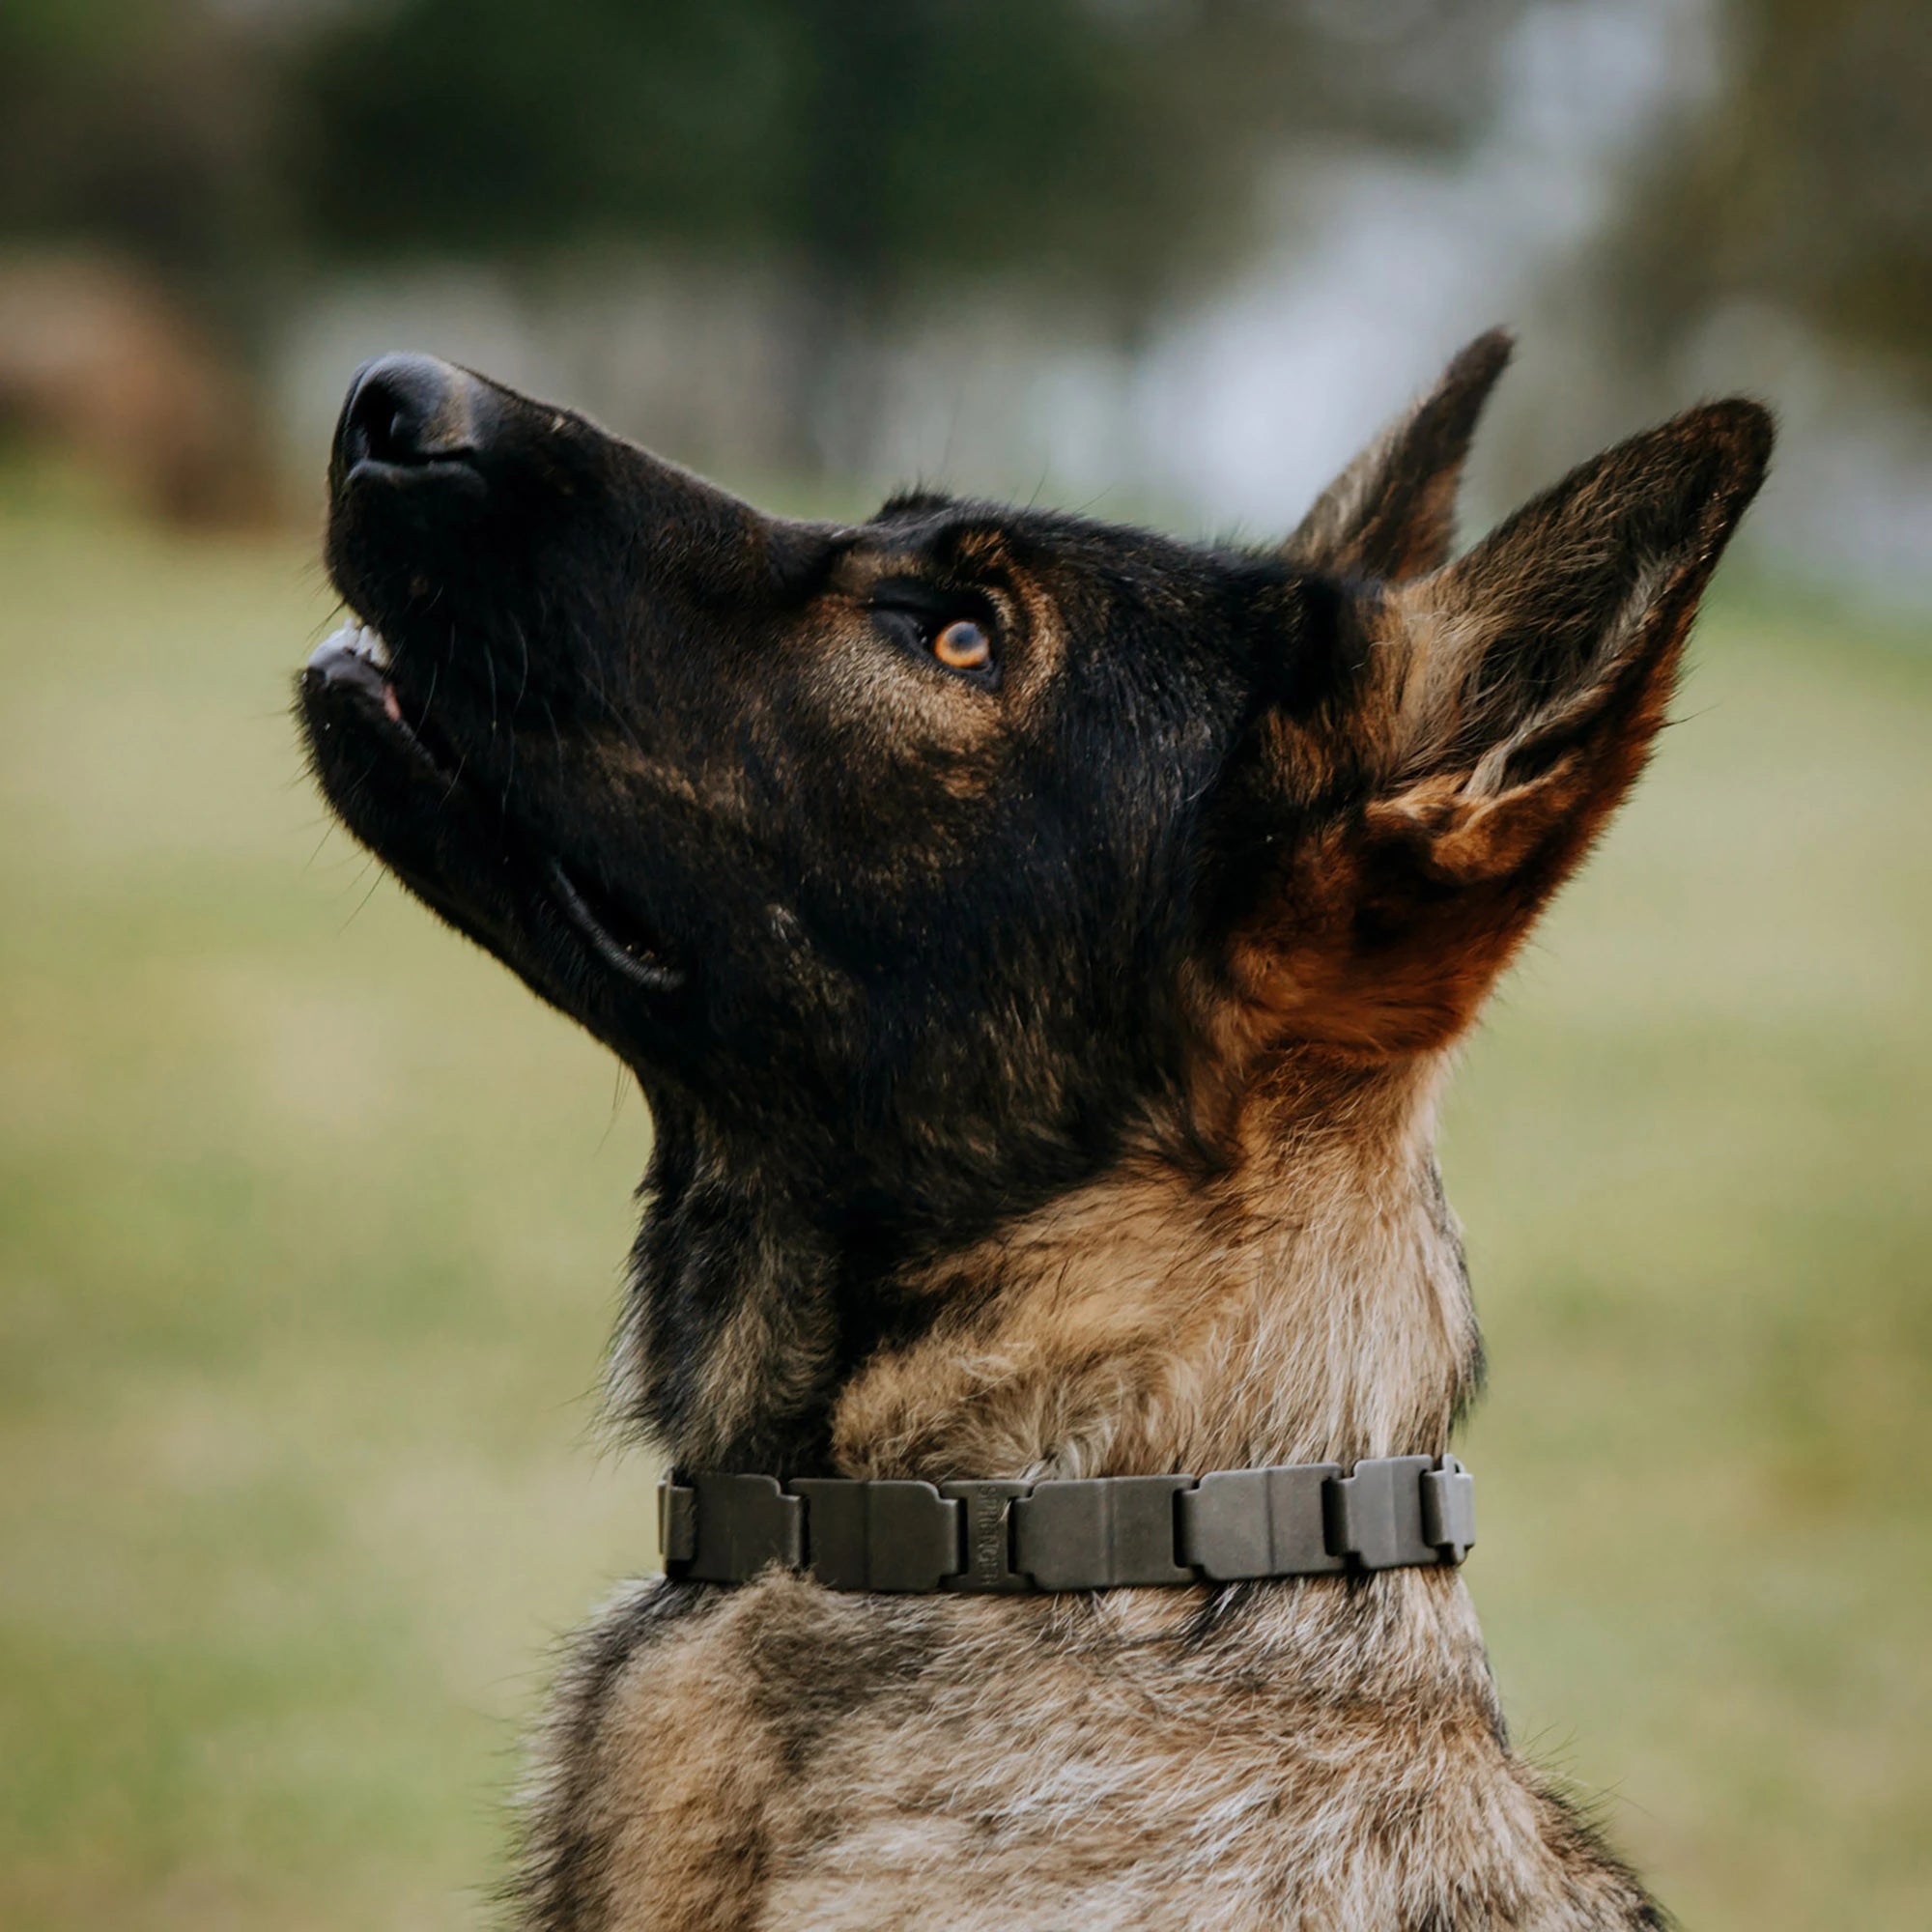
x=1113, y=152
x=1805, y=184
x=1084, y=184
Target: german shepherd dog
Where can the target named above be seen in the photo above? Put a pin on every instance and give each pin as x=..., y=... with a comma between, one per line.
x=1041, y=943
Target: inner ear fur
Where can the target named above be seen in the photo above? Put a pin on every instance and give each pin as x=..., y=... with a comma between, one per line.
x=1391, y=514
x=1504, y=706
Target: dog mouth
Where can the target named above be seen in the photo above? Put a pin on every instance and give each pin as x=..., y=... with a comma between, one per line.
x=355, y=668
x=358, y=656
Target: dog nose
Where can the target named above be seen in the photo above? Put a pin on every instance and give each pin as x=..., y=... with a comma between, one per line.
x=405, y=411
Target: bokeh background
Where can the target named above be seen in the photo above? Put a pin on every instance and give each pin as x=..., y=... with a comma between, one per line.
x=310, y=1218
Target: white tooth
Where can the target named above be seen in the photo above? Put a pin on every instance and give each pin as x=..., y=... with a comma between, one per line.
x=344, y=638
x=375, y=648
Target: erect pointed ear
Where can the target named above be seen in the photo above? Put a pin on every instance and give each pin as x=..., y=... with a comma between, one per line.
x=1501, y=709
x=1392, y=513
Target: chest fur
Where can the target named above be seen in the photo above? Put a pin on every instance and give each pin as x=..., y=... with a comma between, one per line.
x=1289, y=1754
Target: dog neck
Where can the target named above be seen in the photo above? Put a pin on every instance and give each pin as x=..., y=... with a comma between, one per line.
x=1306, y=1302
x=1302, y=1299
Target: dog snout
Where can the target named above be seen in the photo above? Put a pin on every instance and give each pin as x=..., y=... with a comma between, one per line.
x=412, y=412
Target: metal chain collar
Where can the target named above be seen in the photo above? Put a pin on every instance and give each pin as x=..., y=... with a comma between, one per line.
x=1097, y=1533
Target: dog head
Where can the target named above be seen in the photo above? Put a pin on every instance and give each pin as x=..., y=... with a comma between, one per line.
x=928, y=862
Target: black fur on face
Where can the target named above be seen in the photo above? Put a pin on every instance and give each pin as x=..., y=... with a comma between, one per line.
x=915, y=934
x=905, y=863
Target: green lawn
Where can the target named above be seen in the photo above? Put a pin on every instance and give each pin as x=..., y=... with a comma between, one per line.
x=310, y=1221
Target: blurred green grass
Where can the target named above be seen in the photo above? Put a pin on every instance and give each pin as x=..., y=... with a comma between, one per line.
x=310, y=1221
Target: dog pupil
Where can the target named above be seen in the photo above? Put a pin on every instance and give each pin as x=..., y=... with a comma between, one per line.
x=962, y=644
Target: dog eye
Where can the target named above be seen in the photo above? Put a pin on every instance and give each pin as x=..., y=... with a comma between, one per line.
x=963, y=645
x=920, y=622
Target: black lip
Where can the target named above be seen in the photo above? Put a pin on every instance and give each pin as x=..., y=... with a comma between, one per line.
x=336, y=670
x=457, y=467
x=336, y=665
x=638, y=963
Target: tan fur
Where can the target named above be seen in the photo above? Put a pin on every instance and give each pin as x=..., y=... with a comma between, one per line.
x=1327, y=1757
x=1162, y=1320
x=1268, y=1274
x=1045, y=1071
x=1314, y=1754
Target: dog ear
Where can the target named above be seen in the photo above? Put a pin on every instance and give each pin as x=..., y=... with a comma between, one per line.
x=1497, y=710
x=1391, y=514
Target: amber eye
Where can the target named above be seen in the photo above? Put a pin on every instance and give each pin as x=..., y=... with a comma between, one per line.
x=963, y=645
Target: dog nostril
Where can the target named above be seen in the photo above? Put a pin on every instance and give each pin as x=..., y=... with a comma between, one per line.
x=405, y=410
x=393, y=436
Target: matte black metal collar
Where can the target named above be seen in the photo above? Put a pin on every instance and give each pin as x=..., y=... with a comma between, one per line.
x=1099, y=1533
